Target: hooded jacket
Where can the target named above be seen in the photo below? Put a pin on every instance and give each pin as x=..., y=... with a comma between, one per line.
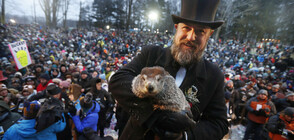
x=24, y=130
x=90, y=120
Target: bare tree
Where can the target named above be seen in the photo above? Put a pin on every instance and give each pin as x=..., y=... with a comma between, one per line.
x=3, y=12
x=65, y=6
x=50, y=9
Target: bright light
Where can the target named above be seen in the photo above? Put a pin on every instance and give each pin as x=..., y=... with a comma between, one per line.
x=153, y=15
x=107, y=27
x=12, y=21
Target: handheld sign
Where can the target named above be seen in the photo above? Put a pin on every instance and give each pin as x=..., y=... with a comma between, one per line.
x=20, y=53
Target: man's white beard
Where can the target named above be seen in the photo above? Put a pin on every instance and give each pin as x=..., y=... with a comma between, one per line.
x=186, y=56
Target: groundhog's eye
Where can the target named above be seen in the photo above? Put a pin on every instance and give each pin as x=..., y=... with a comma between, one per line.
x=158, y=77
x=144, y=77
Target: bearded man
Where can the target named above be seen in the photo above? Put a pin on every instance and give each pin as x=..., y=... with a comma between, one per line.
x=201, y=82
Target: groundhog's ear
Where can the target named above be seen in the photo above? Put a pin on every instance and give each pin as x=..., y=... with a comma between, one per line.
x=166, y=73
x=143, y=76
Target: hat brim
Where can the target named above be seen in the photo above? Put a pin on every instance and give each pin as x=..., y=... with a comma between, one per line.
x=211, y=24
x=3, y=79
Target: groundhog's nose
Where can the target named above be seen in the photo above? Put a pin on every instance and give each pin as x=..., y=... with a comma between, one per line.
x=150, y=88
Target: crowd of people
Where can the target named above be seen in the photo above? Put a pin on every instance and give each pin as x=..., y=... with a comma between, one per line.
x=67, y=82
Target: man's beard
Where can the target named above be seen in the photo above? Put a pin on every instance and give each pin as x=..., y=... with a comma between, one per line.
x=187, y=56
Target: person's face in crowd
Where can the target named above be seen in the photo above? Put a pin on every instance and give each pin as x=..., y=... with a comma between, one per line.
x=4, y=93
x=71, y=67
x=190, y=42
x=38, y=69
x=288, y=118
x=57, y=96
x=262, y=96
x=108, y=69
x=230, y=85
x=43, y=81
x=275, y=89
x=84, y=76
x=94, y=74
x=268, y=87
x=55, y=72
x=99, y=86
x=63, y=69
x=290, y=98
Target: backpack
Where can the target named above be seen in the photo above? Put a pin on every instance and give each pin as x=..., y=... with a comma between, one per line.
x=50, y=112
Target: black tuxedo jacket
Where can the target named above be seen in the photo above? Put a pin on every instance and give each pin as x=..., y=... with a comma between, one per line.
x=209, y=113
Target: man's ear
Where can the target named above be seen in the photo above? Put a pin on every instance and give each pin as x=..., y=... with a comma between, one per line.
x=176, y=26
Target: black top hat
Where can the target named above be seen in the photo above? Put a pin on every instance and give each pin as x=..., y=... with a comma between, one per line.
x=199, y=11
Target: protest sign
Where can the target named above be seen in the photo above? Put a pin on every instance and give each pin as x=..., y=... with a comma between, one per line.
x=20, y=53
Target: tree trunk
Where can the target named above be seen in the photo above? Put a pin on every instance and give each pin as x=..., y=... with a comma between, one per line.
x=129, y=15
x=3, y=12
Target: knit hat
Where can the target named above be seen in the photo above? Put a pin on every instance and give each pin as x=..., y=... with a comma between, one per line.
x=289, y=111
x=87, y=102
x=84, y=72
x=262, y=91
x=31, y=109
x=45, y=76
x=289, y=94
x=53, y=89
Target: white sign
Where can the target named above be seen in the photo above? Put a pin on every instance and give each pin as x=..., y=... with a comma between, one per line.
x=89, y=34
x=20, y=53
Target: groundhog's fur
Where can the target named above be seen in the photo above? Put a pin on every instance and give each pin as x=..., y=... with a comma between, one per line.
x=158, y=84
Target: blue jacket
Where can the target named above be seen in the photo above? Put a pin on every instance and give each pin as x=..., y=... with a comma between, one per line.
x=24, y=130
x=91, y=119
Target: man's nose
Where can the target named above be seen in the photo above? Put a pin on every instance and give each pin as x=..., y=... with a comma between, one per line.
x=191, y=35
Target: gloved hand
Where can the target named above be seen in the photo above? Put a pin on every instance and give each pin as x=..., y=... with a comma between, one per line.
x=262, y=113
x=170, y=125
x=72, y=110
x=255, y=112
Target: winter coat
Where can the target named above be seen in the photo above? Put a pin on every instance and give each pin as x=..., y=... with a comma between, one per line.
x=251, y=106
x=281, y=104
x=8, y=118
x=90, y=120
x=275, y=126
x=24, y=130
x=210, y=113
x=40, y=87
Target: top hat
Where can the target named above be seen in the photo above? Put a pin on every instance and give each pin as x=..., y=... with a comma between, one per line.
x=200, y=12
x=2, y=78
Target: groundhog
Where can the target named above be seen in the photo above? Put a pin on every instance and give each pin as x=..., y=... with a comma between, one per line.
x=158, y=84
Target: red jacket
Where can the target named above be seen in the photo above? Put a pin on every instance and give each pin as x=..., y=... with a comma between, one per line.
x=40, y=87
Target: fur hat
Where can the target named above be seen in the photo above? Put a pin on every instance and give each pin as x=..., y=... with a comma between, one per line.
x=31, y=109
x=86, y=102
x=45, y=76
x=75, y=90
x=53, y=89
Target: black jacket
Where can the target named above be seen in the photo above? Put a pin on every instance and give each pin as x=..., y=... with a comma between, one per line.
x=210, y=113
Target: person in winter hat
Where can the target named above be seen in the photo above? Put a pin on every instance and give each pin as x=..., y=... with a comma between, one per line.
x=25, y=129
x=44, y=81
x=87, y=116
x=7, y=118
x=281, y=126
x=259, y=109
